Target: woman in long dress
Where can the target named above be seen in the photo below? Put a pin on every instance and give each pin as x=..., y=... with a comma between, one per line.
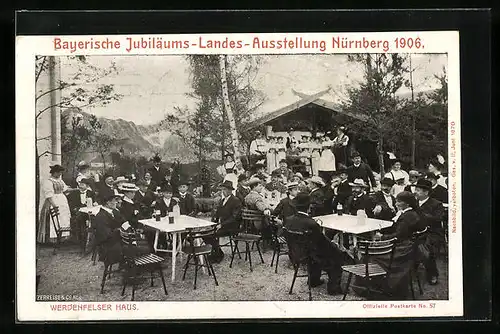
x=340, y=146
x=326, y=166
x=53, y=190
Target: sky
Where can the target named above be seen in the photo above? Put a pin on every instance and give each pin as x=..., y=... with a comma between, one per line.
x=153, y=86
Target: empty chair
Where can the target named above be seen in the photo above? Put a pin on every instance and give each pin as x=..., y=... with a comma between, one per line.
x=54, y=217
x=279, y=245
x=369, y=270
x=421, y=253
x=248, y=235
x=195, y=249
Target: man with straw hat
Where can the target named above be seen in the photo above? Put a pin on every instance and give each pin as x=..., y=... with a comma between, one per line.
x=129, y=209
x=317, y=196
x=359, y=200
x=286, y=207
x=361, y=170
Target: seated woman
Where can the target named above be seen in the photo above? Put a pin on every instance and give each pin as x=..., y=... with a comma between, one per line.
x=406, y=223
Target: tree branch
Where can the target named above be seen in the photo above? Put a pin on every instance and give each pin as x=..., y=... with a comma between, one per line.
x=37, y=76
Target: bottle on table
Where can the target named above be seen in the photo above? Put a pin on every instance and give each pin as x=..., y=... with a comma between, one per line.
x=339, y=209
x=361, y=217
x=170, y=217
x=157, y=215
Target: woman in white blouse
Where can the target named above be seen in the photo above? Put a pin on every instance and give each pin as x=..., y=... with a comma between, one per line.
x=340, y=146
x=397, y=173
x=53, y=192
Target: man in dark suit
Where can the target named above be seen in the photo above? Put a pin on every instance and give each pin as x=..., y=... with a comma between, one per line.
x=317, y=196
x=107, y=233
x=166, y=202
x=413, y=178
x=286, y=207
x=157, y=171
x=105, y=188
x=341, y=190
x=228, y=218
x=437, y=191
x=432, y=214
x=384, y=202
x=187, y=203
x=360, y=170
x=243, y=189
x=129, y=209
x=77, y=200
x=324, y=254
x=359, y=200
x=144, y=197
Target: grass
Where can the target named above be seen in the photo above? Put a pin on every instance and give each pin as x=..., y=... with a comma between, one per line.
x=69, y=273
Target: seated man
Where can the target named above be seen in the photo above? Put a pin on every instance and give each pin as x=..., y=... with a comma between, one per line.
x=228, y=217
x=283, y=171
x=286, y=207
x=144, y=197
x=187, y=203
x=385, y=203
x=437, y=191
x=342, y=190
x=359, y=200
x=255, y=201
x=77, y=200
x=413, y=176
x=260, y=171
x=129, y=209
x=165, y=203
x=324, y=254
x=432, y=213
x=107, y=233
x=243, y=189
x=276, y=183
x=317, y=196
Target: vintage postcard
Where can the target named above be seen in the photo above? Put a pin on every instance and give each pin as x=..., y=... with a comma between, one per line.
x=238, y=176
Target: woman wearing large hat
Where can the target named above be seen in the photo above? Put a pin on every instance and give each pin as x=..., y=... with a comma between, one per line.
x=53, y=190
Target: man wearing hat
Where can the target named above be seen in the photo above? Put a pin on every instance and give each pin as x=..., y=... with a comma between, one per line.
x=359, y=200
x=276, y=183
x=117, y=182
x=228, y=218
x=144, y=197
x=317, y=196
x=157, y=171
x=231, y=175
x=260, y=171
x=129, y=209
x=254, y=199
x=432, y=213
x=286, y=207
x=437, y=191
x=107, y=234
x=166, y=202
x=187, y=202
x=106, y=187
x=283, y=171
x=83, y=173
x=406, y=223
x=243, y=189
x=413, y=176
x=324, y=254
x=360, y=170
x=341, y=189
x=76, y=200
x=385, y=203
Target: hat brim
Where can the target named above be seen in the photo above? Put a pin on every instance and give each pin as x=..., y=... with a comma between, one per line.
x=423, y=187
x=358, y=185
x=134, y=189
x=120, y=181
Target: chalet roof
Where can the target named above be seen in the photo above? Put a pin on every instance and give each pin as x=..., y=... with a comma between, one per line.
x=304, y=99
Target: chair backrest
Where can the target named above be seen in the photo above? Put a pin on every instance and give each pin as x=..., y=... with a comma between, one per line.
x=199, y=233
x=299, y=245
x=420, y=234
x=249, y=217
x=377, y=248
x=128, y=237
x=54, y=217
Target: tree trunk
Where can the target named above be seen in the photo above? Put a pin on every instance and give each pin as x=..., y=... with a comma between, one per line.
x=37, y=186
x=380, y=146
x=413, y=128
x=103, y=163
x=227, y=108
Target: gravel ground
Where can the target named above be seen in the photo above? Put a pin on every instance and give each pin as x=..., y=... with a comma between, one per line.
x=69, y=273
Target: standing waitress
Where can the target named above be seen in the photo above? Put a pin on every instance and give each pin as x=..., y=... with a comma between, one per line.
x=326, y=166
x=340, y=146
x=53, y=191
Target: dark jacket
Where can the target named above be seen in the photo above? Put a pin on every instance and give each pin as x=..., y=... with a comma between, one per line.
x=432, y=213
x=362, y=172
x=343, y=192
x=317, y=207
x=187, y=204
x=387, y=213
x=440, y=193
x=130, y=212
x=241, y=193
x=276, y=186
x=285, y=208
x=107, y=236
x=157, y=176
x=144, y=202
x=228, y=215
x=162, y=206
x=322, y=250
x=103, y=192
x=152, y=185
x=404, y=228
x=355, y=203
x=74, y=200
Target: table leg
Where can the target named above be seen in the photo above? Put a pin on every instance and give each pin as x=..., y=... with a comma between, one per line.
x=354, y=241
x=155, y=243
x=341, y=239
x=174, y=254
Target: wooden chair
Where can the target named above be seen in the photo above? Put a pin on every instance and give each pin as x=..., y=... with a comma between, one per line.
x=248, y=236
x=135, y=265
x=299, y=249
x=54, y=217
x=369, y=270
x=418, y=238
x=195, y=249
x=279, y=245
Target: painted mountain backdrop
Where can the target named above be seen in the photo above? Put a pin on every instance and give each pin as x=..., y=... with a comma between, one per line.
x=140, y=140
